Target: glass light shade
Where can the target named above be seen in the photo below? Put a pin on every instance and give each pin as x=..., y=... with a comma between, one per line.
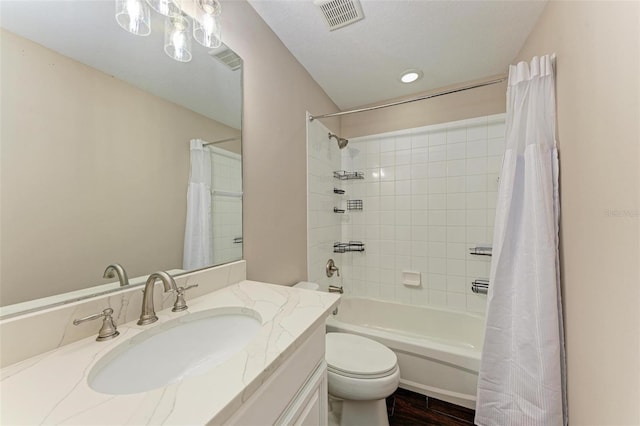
x=177, y=40
x=166, y=7
x=206, y=23
x=134, y=16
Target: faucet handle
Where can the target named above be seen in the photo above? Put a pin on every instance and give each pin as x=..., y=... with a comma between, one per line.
x=181, y=304
x=108, y=329
x=331, y=268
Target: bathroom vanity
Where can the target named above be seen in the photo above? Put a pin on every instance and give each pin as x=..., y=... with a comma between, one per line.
x=278, y=377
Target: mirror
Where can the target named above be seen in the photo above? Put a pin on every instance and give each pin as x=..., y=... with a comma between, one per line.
x=95, y=150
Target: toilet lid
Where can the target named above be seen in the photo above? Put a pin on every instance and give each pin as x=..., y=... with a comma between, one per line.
x=357, y=356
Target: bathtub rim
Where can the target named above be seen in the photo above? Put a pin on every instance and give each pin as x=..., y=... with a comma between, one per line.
x=452, y=354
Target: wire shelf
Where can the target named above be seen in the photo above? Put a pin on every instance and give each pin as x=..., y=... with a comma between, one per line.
x=354, y=204
x=348, y=247
x=345, y=175
x=480, y=251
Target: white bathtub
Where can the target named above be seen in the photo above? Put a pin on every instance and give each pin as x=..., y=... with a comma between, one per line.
x=438, y=350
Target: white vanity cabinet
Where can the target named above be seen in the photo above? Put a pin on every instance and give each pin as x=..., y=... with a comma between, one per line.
x=295, y=394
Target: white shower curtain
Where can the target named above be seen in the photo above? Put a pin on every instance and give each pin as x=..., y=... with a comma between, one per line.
x=522, y=376
x=198, y=246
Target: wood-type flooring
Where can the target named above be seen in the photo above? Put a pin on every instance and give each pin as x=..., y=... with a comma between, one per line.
x=406, y=408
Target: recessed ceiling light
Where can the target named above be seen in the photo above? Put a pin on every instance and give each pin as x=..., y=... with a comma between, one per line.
x=409, y=76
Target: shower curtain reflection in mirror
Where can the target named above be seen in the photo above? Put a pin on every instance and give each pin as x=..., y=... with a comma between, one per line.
x=213, y=232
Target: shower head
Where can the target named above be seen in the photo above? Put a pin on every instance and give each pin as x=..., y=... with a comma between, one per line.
x=342, y=142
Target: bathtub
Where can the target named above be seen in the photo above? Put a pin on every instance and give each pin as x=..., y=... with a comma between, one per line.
x=438, y=350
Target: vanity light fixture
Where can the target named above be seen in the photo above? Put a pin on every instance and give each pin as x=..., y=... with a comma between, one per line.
x=206, y=23
x=135, y=17
x=177, y=41
x=163, y=7
x=409, y=76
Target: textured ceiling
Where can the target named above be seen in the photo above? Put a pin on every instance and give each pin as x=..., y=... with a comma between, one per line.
x=449, y=41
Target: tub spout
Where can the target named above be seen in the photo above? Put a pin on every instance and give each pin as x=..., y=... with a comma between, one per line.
x=336, y=289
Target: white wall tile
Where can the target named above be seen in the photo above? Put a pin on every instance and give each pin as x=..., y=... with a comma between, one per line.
x=419, y=156
x=403, y=172
x=494, y=163
x=496, y=130
x=456, y=151
x=387, y=173
x=437, y=153
x=403, y=202
x=438, y=137
x=437, y=233
x=419, y=202
x=403, y=218
x=403, y=141
x=419, y=218
x=438, y=298
x=403, y=157
x=456, y=201
x=476, y=148
x=437, y=186
x=419, y=138
x=419, y=186
x=437, y=249
x=429, y=194
x=437, y=170
x=456, y=167
x=477, y=131
x=437, y=201
x=437, y=282
x=387, y=188
x=456, y=301
x=456, y=133
x=476, y=166
x=495, y=146
x=476, y=183
x=387, y=159
x=419, y=171
x=456, y=284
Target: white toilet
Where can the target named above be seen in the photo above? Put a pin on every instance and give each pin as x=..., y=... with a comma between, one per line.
x=361, y=372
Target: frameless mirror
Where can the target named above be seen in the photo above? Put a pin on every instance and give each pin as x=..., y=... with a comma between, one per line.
x=97, y=125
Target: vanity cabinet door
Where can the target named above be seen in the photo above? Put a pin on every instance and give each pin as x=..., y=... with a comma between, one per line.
x=310, y=405
x=296, y=389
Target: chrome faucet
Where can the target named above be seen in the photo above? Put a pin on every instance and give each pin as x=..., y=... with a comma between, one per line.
x=116, y=268
x=148, y=314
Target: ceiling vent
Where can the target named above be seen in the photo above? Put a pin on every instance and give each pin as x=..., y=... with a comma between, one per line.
x=227, y=57
x=340, y=13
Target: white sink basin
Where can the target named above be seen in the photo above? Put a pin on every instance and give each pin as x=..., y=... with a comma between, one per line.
x=166, y=353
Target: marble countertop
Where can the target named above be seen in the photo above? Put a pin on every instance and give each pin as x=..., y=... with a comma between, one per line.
x=52, y=388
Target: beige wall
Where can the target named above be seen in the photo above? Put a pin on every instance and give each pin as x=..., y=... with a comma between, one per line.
x=478, y=102
x=94, y=171
x=598, y=98
x=277, y=92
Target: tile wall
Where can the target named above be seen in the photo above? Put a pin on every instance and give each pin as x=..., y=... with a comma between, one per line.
x=226, y=205
x=428, y=196
x=323, y=225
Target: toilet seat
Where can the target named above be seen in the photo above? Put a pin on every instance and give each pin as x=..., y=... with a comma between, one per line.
x=354, y=356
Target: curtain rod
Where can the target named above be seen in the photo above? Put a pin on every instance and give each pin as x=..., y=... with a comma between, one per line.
x=421, y=98
x=220, y=141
